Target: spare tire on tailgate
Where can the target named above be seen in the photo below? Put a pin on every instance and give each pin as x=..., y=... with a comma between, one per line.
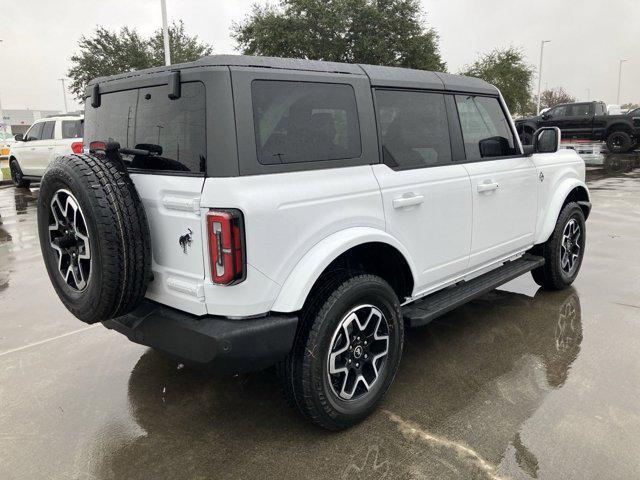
x=94, y=236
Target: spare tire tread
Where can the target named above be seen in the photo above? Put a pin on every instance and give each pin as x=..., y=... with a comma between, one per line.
x=122, y=235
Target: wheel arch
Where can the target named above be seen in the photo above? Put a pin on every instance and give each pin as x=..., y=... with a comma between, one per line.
x=571, y=190
x=358, y=249
x=619, y=127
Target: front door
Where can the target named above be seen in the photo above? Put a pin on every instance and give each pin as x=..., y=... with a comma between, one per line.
x=503, y=182
x=426, y=197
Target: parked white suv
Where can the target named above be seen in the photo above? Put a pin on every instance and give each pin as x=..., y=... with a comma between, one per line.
x=240, y=212
x=48, y=138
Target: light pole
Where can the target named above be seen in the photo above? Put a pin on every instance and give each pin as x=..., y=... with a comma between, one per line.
x=540, y=73
x=64, y=95
x=4, y=127
x=588, y=94
x=165, y=33
x=619, y=80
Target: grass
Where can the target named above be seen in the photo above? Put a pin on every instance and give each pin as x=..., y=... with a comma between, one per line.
x=6, y=173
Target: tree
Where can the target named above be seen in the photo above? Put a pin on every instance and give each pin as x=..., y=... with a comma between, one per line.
x=379, y=32
x=109, y=53
x=506, y=69
x=555, y=96
x=630, y=106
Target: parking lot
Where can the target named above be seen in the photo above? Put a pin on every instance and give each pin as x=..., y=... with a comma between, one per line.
x=519, y=384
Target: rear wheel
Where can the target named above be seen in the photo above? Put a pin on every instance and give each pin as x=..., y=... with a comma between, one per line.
x=94, y=237
x=346, y=353
x=564, y=250
x=619, y=142
x=17, y=176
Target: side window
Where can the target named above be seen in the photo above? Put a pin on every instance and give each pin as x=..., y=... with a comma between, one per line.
x=47, y=130
x=413, y=129
x=304, y=121
x=485, y=128
x=72, y=128
x=578, y=110
x=560, y=111
x=35, y=132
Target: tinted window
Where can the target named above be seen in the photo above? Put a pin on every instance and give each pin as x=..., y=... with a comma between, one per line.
x=485, y=127
x=635, y=113
x=578, y=110
x=148, y=119
x=560, y=111
x=413, y=129
x=72, y=128
x=35, y=132
x=47, y=130
x=304, y=122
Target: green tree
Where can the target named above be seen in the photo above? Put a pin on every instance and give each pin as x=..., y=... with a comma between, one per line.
x=108, y=52
x=630, y=105
x=508, y=70
x=379, y=32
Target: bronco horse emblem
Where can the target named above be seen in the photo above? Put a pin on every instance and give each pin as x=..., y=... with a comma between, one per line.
x=185, y=240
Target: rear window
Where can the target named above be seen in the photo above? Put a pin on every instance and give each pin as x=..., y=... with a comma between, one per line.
x=72, y=128
x=147, y=119
x=413, y=129
x=304, y=122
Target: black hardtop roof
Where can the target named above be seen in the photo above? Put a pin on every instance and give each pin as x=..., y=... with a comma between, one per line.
x=378, y=75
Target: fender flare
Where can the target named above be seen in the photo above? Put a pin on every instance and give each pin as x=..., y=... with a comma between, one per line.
x=301, y=279
x=555, y=205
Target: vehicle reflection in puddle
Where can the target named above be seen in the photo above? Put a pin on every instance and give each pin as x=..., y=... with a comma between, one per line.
x=467, y=384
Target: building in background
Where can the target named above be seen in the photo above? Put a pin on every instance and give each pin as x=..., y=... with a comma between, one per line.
x=18, y=121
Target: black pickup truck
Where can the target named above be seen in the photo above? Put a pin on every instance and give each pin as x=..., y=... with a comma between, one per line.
x=586, y=121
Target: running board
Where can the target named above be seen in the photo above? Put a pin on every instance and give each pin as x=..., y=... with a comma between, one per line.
x=432, y=306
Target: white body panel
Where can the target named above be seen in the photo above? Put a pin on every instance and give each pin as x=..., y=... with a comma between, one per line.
x=429, y=210
x=34, y=156
x=504, y=207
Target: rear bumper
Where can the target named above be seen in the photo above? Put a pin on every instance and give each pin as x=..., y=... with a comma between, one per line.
x=220, y=344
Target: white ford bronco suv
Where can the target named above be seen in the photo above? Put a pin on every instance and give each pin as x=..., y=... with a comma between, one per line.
x=243, y=212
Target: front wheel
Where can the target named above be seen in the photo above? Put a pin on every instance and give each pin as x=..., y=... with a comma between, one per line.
x=346, y=353
x=17, y=176
x=564, y=250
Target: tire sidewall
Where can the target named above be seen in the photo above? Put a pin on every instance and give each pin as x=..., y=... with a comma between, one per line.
x=626, y=142
x=380, y=295
x=60, y=176
x=574, y=212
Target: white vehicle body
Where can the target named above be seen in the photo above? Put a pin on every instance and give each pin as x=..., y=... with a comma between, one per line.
x=45, y=140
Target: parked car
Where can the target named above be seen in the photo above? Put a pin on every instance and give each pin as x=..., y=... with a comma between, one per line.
x=300, y=213
x=634, y=113
x=585, y=121
x=45, y=140
x=6, y=140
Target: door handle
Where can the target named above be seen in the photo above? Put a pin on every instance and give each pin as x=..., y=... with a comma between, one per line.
x=487, y=187
x=408, y=200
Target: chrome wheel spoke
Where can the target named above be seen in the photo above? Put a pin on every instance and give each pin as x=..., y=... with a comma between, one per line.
x=357, y=353
x=69, y=239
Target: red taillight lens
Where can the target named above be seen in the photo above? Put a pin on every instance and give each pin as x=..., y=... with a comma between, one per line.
x=76, y=147
x=226, y=246
x=93, y=146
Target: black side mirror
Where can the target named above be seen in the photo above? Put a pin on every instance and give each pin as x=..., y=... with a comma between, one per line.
x=493, y=147
x=546, y=116
x=20, y=138
x=546, y=140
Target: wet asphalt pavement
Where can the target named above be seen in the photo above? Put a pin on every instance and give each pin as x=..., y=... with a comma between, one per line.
x=519, y=384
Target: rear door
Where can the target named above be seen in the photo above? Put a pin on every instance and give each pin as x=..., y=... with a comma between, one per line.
x=503, y=182
x=169, y=182
x=43, y=152
x=578, y=122
x=426, y=196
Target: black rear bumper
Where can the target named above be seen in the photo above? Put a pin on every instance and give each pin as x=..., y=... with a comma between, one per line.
x=217, y=343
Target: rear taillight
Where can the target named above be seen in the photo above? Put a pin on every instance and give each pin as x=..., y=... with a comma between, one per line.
x=76, y=147
x=226, y=246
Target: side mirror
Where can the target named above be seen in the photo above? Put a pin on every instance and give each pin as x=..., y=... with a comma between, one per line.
x=546, y=116
x=546, y=140
x=19, y=138
x=493, y=147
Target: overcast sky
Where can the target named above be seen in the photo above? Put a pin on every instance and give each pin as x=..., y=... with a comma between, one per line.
x=588, y=38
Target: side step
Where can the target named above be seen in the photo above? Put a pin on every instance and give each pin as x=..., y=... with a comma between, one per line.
x=432, y=306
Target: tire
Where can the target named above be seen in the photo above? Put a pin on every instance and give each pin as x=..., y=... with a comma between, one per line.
x=16, y=175
x=619, y=142
x=556, y=273
x=322, y=397
x=110, y=277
